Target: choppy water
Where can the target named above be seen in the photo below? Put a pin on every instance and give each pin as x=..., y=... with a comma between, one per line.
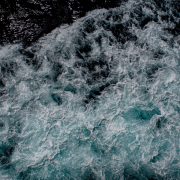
x=98, y=99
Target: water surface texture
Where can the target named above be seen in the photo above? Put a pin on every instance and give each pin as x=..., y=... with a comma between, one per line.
x=98, y=99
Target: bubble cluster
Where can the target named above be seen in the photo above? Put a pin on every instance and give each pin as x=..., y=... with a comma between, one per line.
x=95, y=100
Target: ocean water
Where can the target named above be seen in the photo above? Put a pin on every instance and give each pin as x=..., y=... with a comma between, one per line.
x=95, y=100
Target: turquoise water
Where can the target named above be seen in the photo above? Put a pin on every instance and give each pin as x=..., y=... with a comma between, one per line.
x=95, y=100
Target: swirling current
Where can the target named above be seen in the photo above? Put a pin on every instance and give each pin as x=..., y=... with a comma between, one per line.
x=95, y=100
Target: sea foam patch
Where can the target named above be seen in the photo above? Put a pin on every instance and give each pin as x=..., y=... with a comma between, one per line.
x=95, y=100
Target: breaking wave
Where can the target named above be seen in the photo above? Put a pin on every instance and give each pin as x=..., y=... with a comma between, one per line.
x=95, y=100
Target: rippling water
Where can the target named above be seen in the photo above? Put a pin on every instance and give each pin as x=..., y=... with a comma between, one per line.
x=98, y=99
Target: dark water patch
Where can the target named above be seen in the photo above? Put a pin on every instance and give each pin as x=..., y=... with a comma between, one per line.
x=158, y=54
x=162, y=152
x=173, y=175
x=3, y=92
x=27, y=174
x=146, y=20
x=8, y=68
x=57, y=70
x=97, y=148
x=122, y=33
x=89, y=26
x=2, y=84
x=129, y=174
x=142, y=173
x=34, y=18
x=110, y=174
x=99, y=39
x=27, y=21
x=152, y=69
x=97, y=70
x=94, y=69
x=104, y=24
x=89, y=175
x=57, y=99
x=70, y=88
x=27, y=53
x=95, y=93
x=165, y=17
x=93, y=64
x=8, y=145
x=140, y=18
x=113, y=24
x=156, y=158
x=149, y=173
x=83, y=46
x=79, y=64
x=1, y=125
x=66, y=173
x=175, y=30
x=99, y=127
x=83, y=6
x=137, y=15
x=161, y=5
x=115, y=16
x=83, y=50
x=171, y=14
x=79, y=55
x=161, y=122
x=6, y=151
x=31, y=59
